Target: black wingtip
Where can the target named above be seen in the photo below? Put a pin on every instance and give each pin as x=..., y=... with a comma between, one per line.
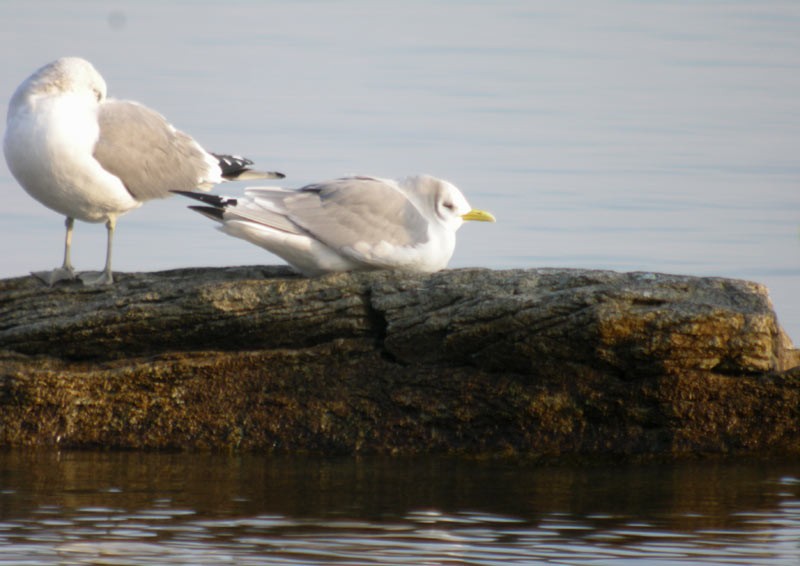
x=234, y=167
x=209, y=211
x=231, y=164
x=213, y=200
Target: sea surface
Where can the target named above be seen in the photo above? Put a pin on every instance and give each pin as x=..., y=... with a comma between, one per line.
x=137, y=508
x=627, y=135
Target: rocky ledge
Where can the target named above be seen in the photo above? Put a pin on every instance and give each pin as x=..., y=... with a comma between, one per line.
x=540, y=362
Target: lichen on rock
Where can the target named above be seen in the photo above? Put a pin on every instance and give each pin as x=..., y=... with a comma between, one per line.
x=541, y=362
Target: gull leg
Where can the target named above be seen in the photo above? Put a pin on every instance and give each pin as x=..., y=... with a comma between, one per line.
x=65, y=272
x=67, y=265
x=105, y=277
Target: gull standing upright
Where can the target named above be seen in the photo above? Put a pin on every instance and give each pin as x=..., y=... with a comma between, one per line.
x=94, y=158
x=354, y=223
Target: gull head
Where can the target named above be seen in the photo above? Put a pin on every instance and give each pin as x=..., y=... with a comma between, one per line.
x=448, y=205
x=67, y=75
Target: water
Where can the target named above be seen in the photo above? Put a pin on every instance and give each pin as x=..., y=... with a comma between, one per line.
x=134, y=508
x=625, y=135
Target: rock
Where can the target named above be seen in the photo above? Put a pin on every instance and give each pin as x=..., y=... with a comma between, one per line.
x=539, y=362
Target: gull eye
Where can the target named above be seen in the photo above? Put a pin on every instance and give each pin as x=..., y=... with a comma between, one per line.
x=449, y=206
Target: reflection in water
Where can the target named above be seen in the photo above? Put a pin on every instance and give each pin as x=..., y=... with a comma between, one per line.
x=128, y=508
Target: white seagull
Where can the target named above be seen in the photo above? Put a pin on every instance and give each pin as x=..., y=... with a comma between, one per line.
x=95, y=158
x=355, y=223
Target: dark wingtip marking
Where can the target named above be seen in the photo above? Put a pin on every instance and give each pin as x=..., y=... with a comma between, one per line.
x=213, y=200
x=232, y=165
x=210, y=212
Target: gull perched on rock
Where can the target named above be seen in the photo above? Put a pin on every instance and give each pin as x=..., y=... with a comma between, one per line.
x=354, y=223
x=94, y=158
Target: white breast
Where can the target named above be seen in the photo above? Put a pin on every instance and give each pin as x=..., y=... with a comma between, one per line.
x=48, y=147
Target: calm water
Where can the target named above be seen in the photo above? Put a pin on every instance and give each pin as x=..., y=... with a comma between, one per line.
x=132, y=508
x=629, y=135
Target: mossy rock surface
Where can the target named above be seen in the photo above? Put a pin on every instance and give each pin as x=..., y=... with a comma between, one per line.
x=540, y=362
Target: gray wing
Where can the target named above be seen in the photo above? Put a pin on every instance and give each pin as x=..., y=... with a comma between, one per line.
x=150, y=156
x=345, y=212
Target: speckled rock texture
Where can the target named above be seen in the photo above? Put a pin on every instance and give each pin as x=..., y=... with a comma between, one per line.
x=539, y=362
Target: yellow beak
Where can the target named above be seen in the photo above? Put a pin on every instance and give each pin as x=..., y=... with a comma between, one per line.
x=480, y=215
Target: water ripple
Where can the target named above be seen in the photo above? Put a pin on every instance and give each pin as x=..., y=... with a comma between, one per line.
x=175, y=536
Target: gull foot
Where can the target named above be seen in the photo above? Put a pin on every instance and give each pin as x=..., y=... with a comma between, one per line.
x=95, y=279
x=58, y=274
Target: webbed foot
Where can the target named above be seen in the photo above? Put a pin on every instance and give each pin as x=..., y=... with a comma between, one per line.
x=94, y=278
x=58, y=274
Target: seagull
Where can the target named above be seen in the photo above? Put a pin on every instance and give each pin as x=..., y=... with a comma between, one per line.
x=94, y=158
x=353, y=223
